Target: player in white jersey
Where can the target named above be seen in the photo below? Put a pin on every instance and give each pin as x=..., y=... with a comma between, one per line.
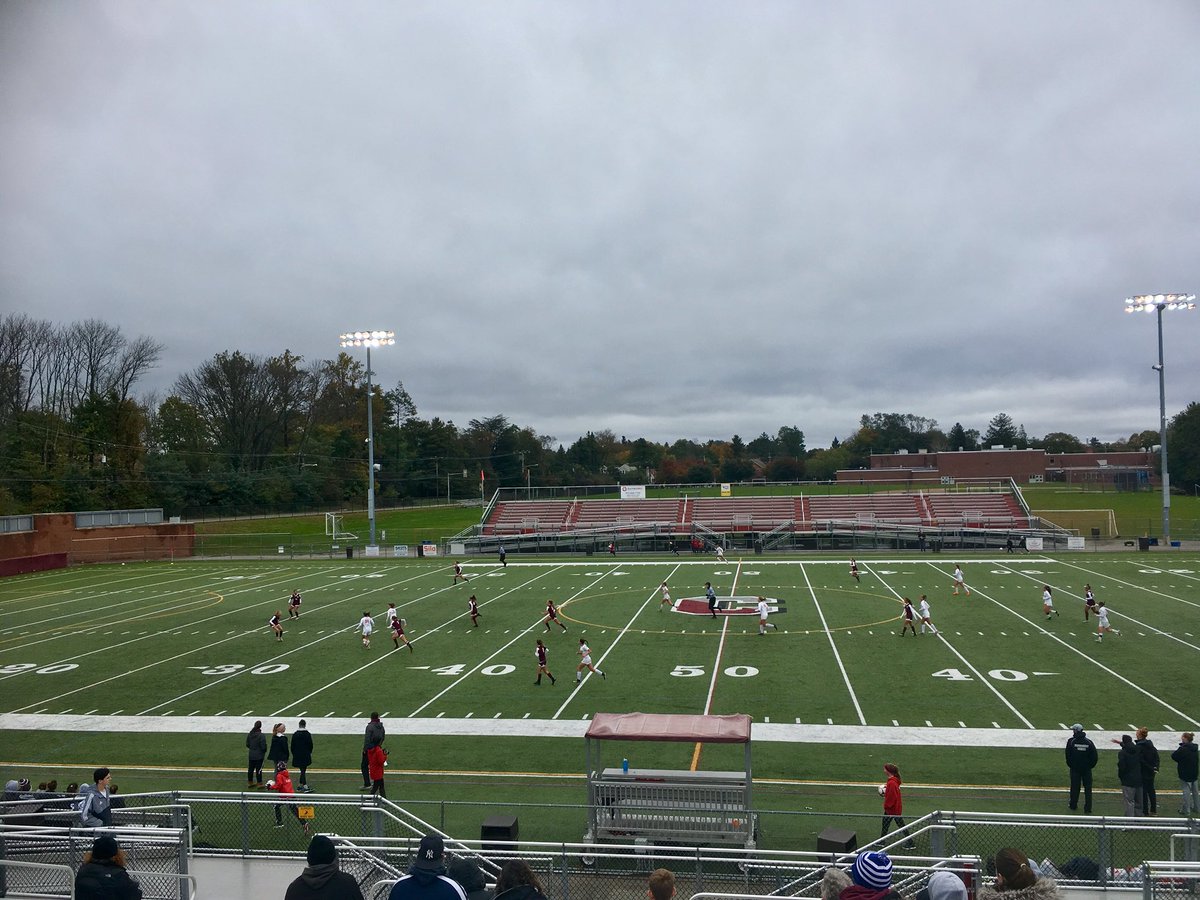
x=764, y=610
x=585, y=661
x=1048, y=602
x=391, y=614
x=923, y=609
x=720, y=553
x=1102, y=622
x=366, y=625
x=958, y=580
x=666, y=596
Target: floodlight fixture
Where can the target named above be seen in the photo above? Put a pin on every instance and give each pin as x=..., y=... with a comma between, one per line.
x=1156, y=303
x=369, y=339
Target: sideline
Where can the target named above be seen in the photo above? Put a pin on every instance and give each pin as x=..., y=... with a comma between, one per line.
x=763, y=732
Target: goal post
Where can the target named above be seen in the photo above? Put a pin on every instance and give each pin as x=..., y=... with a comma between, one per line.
x=1085, y=521
x=333, y=528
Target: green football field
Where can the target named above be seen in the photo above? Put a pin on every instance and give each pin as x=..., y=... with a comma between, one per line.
x=161, y=667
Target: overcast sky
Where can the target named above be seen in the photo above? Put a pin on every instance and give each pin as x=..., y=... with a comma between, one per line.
x=665, y=219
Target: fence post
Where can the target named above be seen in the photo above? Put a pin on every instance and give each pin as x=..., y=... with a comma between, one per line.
x=1147, y=888
x=245, y=826
x=566, y=878
x=937, y=837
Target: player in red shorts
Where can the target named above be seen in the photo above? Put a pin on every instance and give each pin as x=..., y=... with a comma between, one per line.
x=276, y=626
x=552, y=616
x=294, y=605
x=398, y=635
x=541, y=669
x=473, y=605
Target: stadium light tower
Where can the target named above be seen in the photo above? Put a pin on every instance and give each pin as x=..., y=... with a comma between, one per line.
x=1156, y=303
x=369, y=339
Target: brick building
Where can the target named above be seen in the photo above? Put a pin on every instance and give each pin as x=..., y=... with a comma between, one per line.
x=1130, y=469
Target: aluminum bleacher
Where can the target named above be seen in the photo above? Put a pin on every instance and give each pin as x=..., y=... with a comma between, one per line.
x=990, y=510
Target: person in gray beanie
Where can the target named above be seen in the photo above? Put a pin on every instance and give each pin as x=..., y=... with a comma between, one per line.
x=321, y=878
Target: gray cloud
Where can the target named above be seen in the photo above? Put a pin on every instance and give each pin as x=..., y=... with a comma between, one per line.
x=667, y=219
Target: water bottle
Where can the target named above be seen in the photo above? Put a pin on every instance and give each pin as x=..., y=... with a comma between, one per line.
x=625, y=766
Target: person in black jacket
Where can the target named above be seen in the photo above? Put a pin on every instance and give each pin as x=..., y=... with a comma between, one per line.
x=302, y=747
x=1081, y=759
x=321, y=878
x=256, y=743
x=1129, y=773
x=102, y=875
x=518, y=882
x=279, y=745
x=1149, y=769
x=1186, y=761
x=469, y=878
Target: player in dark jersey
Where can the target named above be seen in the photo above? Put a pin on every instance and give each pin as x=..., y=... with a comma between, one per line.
x=277, y=626
x=294, y=605
x=909, y=618
x=541, y=668
x=552, y=616
x=473, y=604
x=854, y=572
x=398, y=635
x=458, y=573
x=1089, y=601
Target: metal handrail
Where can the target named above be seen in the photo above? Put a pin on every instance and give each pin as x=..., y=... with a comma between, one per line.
x=191, y=879
x=70, y=873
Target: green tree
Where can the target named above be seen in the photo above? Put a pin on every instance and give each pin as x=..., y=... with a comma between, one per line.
x=1001, y=431
x=1183, y=444
x=790, y=442
x=1061, y=442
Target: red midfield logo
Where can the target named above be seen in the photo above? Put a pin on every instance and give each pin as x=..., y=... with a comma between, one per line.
x=726, y=606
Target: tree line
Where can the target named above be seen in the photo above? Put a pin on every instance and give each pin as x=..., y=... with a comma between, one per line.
x=242, y=433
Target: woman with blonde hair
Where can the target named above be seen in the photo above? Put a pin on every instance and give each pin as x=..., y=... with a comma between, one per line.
x=102, y=875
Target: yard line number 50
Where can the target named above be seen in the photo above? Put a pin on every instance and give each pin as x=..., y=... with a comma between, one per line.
x=697, y=671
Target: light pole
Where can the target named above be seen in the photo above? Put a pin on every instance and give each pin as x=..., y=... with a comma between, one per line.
x=1156, y=303
x=369, y=339
x=528, y=489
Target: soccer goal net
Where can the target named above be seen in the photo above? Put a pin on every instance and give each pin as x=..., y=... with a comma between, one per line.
x=333, y=528
x=1099, y=522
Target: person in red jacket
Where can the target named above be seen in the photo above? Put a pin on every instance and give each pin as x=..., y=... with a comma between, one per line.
x=282, y=782
x=893, y=804
x=376, y=758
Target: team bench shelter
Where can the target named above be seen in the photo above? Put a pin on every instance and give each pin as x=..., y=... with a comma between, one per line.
x=668, y=805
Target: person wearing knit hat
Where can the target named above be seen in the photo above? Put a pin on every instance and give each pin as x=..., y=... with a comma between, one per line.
x=1017, y=880
x=321, y=878
x=103, y=873
x=870, y=877
x=943, y=885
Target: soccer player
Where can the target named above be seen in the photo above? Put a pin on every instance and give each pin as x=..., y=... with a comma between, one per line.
x=585, y=662
x=503, y=557
x=1048, y=602
x=1102, y=622
x=458, y=573
x=854, y=571
x=764, y=610
x=294, y=605
x=666, y=596
x=398, y=635
x=959, y=582
x=711, y=596
x=276, y=626
x=366, y=625
x=392, y=614
x=1089, y=601
x=541, y=668
x=909, y=620
x=612, y=549
x=923, y=607
x=720, y=554
x=473, y=606
x=552, y=616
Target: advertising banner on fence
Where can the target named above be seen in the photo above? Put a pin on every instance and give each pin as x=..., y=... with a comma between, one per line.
x=633, y=492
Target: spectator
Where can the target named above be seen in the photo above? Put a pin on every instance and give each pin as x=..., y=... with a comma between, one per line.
x=102, y=875
x=871, y=878
x=15, y=788
x=302, y=746
x=943, y=885
x=661, y=884
x=115, y=802
x=1016, y=879
x=1129, y=773
x=833, y=882
x=1186, y=762
x=376, y=760
x=95, y=810
x=1081, y=759
x=321, y=878
x=467, y=874
x=1149, y=758
x=427, y=878
x=374, y=735
x=279, y=752
x=517, y=882
x=256, y=744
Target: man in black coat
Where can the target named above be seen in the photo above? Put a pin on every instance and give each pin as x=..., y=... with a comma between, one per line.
x=1081, y=759
x=1149, y=757
x=302, y=747
x=321, y=878
x=1187, y=761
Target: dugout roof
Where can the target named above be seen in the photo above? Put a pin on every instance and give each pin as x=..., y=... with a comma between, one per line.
x=637, y=726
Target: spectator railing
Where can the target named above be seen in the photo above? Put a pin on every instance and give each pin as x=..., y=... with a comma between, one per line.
x=1170, y=880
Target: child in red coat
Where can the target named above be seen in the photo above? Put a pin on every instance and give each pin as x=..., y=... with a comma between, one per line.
x=376, y=758
x=282, y=782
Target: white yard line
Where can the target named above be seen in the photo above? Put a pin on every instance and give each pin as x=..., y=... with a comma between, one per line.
x=716, y=669
x=1138, y=587
x=987, y=682
x=1117, y=675
x=832, y=645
